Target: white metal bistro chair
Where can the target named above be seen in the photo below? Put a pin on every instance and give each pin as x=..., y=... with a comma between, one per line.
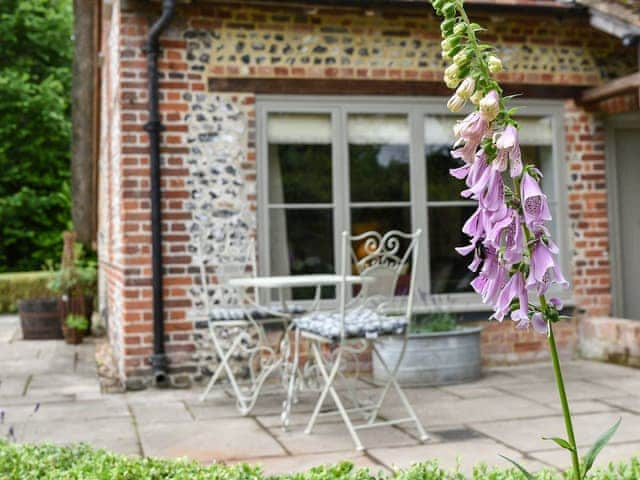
x=234, y=316
x=365, y=319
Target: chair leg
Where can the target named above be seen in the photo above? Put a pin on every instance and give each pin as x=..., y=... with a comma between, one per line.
x=329, y=388
x=224, y=358
x=292, y=381
x=405, y=401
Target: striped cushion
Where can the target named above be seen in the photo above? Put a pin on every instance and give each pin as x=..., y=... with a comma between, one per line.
x=359, y=323
x=218, y=314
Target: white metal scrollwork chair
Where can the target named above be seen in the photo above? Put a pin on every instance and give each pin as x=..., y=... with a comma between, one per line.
x=235, y=317
x=366, y=318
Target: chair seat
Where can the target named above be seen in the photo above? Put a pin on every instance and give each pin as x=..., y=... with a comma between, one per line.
x=219, y=314
x=359, y=323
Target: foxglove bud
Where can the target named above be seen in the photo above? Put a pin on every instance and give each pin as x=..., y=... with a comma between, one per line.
x=447, y=27
x=460, y=28
x=495, y=64
x=452, y=71
x=490, y=105
x=466, y=88
x=456, y=103
x=452, y=82
x=462, y=58
x=449, y=43
x=449, y=9
x=476, y=97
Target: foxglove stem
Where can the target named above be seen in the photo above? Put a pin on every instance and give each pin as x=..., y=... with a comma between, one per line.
x=568, y=423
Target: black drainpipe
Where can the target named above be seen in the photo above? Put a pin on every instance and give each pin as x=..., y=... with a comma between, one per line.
x=154, y=127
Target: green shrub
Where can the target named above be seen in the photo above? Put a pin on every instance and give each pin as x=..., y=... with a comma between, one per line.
x=35, y=131
x=80, y=462
x=77, y=322
x=434, y=322
x=22, y=286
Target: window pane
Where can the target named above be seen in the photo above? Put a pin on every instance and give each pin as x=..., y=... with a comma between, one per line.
x=382, y=220
x=378, y=158
x=535, y=140
x=449, y=272
x=440, y=185
x=299, y=159
x=301, y=242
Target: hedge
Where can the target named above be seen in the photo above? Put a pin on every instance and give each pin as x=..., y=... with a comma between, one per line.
x=80, y=462
x=22, y=286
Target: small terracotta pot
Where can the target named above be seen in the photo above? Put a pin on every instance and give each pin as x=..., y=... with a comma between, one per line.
x=72, y=336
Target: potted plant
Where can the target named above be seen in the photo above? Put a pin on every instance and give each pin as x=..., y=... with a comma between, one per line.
x=74, y=328
x=439, y=352
x=75, y=281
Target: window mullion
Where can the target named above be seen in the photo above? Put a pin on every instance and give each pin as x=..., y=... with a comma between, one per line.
x=340, y=199
x=419, y=210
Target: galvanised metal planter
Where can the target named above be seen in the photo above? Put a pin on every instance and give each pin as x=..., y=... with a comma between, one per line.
x=438, y=358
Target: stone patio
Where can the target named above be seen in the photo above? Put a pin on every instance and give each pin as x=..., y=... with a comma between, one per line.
x=505, y=412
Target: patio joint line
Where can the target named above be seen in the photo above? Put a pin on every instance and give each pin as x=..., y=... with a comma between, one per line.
x=274, y=437
x=378, y=461
x=617, y=407
x=134, y=422
x=27, y=384
x=188, y=409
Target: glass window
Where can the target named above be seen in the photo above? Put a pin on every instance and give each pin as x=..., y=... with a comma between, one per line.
x=300, y=196
x=447, y=211
x=349, y=166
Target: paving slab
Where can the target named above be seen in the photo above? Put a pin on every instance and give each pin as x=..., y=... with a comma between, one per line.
x=525, y=434
x=75, y=410
x=471, y=410
x=13, y=386
x=302, y=463
x=628, y=402
x=450, y=455
x=586, y=406
x=546, y=392
x=114, y=434
x=163, y=412
x=613, y=452
x=331, y=437
x=9, y=328
x=208, y=441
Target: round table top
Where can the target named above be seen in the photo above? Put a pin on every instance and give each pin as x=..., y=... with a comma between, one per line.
x=291, y=281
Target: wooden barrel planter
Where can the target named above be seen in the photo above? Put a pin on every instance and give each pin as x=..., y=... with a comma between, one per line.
x=40, y=319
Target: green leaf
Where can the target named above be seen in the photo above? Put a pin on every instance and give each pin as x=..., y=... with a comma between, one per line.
x=561, y=442
x=524, y=471
x=597, y=447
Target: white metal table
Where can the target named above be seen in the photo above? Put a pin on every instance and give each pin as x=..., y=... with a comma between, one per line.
x=280, y=283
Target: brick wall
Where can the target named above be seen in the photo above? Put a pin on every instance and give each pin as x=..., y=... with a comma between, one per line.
x=208, y=41
x=587, y=207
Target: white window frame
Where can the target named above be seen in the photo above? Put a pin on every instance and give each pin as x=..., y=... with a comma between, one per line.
x=416, y=109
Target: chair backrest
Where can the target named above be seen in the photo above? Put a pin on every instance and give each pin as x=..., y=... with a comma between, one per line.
x=224, y=252
x=387, y=258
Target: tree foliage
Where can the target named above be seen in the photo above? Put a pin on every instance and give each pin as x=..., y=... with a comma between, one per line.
x=35, y=131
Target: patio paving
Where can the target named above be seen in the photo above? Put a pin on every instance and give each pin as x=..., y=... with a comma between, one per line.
x=507, y=411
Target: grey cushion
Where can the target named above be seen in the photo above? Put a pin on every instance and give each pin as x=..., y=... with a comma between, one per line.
x=359, y=323
x=218, y=314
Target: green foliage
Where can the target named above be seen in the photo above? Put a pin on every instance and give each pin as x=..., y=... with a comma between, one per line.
x=80, y=462
x=77, y=322
x=22, y=286
x=35, y=84
x=434, y=322
x=597, y=447
x=81, y=276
